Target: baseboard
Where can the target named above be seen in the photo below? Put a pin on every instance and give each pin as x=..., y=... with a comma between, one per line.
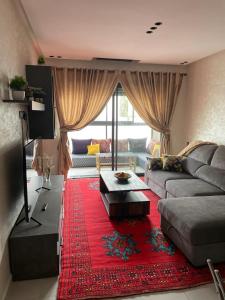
x=5, y=274
x=6, y=287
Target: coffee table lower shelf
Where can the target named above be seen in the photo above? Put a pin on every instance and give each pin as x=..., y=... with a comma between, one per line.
x=126, y=204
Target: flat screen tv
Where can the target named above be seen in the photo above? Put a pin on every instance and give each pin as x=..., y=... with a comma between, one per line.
x=30, y=180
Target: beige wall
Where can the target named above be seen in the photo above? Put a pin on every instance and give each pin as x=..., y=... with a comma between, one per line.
x=177, y=138
x=16, y=50
x=205, y=105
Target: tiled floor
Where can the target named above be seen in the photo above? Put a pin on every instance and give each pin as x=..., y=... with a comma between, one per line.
x=46, y=289
x=93, y=172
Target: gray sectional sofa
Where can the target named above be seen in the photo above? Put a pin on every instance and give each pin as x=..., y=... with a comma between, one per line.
x=193, y=208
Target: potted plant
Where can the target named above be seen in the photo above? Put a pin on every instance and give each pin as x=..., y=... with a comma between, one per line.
x=18, y=85
x=41, y=60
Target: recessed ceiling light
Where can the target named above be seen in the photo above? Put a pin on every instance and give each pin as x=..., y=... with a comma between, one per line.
x=149, y=31
x=158, y=23
x=185, y=62
x=153, y=28
x=59, y=56
x=51, y=56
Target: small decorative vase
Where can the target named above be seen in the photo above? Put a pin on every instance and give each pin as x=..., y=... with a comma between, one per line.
x=18, y=95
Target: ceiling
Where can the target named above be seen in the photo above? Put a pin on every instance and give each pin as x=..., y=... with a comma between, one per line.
x=83, y=29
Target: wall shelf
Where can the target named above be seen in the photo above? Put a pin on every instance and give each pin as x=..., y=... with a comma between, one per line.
x=34, y=105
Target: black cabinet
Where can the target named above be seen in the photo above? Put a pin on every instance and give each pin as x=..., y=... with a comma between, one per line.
x=41, y=123
x=35, y=249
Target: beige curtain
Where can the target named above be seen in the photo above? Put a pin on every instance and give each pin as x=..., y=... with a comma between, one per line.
x=81, y=95
x=37, y=154
x=154, y=97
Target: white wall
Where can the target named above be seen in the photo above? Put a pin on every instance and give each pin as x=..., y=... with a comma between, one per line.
x=205, y=104
x=177, y=138
x=16, y=50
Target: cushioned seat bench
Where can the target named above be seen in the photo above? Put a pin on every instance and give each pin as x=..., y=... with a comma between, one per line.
x=196, y=225
x=85, y=160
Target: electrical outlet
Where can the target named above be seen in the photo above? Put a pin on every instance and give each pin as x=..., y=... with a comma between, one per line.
x=22, y=115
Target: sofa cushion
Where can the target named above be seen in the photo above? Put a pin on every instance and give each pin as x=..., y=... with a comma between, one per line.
x=83, y=160
x=199, y=220
x=122, y=145
x=191, y=165
x=218, y=160
x=80, y=146
x=104, y=144
x=161, y=177
x=137, y=145
x=203, y=153
x=212, y=175
x=155, y=163
x=191, y=187
x=172, y=163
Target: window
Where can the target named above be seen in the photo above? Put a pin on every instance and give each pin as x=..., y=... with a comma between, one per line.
x=130, y=125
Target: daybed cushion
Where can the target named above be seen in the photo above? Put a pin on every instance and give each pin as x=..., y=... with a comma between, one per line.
x=191, y=187
x=199, y=220
x=122, y=145
x=218, y=160
x=161, y=177
x=104, y=144
x=80, y=146
x=137, y=145
x=203, y=153
x=83, y=160
x=212, y=175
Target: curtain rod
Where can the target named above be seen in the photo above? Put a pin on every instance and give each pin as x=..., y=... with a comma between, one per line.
x=144, y=71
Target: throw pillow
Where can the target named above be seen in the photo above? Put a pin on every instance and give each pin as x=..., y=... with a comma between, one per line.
x=122, y=145
x=156, y=150
x=172, y=163
x=80, y=146
x=137, y=145
x=93, y=149
x=155, y=163
x=104, y=145
x=151, y=145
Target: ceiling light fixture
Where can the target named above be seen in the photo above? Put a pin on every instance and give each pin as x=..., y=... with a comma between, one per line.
x=153, y=28
x=149, y=31
x=51, y=56
x=158, y=23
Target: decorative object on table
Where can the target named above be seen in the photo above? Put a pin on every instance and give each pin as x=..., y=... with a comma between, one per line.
x=122, y=176
x=41, y=60
x=18, y=85
x=46, y=164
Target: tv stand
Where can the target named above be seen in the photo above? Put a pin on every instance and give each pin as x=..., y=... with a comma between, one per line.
x=35, y=250
x=23, y=219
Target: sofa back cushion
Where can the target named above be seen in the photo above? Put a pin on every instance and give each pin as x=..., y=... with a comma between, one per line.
x=218, y=160
x=191, y=165
x=104, y=145
x=212, y=175
x=122, y=145
x=80, y=146
x=203, y=153
x=137, y=145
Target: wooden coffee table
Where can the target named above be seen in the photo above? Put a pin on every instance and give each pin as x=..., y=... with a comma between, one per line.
x=123, y=199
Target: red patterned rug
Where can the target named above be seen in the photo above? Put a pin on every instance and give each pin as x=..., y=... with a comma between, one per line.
x=103, y=258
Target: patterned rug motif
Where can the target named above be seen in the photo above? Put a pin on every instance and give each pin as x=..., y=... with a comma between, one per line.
x=108, y=258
